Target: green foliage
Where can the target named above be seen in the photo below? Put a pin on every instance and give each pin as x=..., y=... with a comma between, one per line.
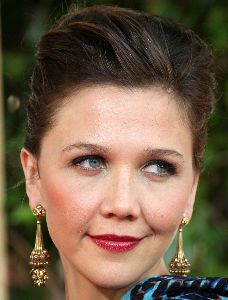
x=205, y=237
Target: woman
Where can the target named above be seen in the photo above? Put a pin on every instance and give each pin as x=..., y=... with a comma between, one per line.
x=116, y=129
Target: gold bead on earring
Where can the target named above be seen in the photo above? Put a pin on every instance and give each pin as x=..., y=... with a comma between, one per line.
x=39, y=257
x=179, y=264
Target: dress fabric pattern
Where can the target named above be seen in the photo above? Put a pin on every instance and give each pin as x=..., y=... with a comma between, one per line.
x=177, y=287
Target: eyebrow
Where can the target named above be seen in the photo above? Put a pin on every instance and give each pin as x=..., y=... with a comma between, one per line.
x=98, y=148
x=86, y=146
x=163, y=152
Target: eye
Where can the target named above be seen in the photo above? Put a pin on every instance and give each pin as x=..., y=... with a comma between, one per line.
x=160, y=168
x=89, y=162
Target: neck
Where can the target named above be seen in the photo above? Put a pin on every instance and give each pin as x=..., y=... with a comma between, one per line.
x=79, y=287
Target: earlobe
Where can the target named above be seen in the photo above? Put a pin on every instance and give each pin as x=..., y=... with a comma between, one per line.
x=32, y=183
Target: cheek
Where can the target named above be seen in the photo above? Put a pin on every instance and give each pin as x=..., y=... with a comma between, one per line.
x=69, y=207
x=163, y=211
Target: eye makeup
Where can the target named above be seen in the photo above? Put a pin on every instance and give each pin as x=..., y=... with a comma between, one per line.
x=160, y=168
x=89, y=162
x=155, y=167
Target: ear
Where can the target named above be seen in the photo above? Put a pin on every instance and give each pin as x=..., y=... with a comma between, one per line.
x=189, y=207
x=30, y=167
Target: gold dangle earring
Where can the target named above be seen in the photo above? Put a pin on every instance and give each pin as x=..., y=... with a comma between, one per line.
x=179, y=264
x=39, y=257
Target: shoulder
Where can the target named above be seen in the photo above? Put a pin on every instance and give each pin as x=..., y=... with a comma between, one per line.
x=178, y=287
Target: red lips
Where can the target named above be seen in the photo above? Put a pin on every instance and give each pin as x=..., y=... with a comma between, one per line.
x=115, y=243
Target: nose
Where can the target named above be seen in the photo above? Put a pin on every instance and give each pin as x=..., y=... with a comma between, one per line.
x=121, y=198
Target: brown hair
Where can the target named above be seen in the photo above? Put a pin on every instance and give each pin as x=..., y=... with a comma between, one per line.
x=104, y=44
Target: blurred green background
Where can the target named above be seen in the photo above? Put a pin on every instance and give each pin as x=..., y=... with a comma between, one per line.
x=23, y=22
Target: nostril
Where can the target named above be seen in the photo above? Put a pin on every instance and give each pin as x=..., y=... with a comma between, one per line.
x=131, y=218
x=110, y=215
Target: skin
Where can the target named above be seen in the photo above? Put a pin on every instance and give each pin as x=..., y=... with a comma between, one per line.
x=118, y=193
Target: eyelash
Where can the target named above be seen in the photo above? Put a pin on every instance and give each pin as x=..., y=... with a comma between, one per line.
x=77, y=161
x=169, y=168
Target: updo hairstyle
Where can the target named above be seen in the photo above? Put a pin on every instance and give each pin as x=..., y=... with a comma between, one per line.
x=126, y=48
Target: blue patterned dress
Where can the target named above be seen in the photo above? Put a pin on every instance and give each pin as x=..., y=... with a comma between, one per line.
x=177, y=287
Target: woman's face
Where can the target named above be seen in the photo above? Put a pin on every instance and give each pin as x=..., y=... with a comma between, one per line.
x=116, y=178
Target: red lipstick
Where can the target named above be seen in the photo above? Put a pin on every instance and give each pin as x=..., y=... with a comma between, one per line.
x=115, y=243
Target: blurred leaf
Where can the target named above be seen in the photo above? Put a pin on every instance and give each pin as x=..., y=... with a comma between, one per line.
x=216, y=26
x=21, y=215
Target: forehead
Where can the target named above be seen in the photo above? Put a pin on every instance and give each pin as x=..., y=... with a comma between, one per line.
x=115, y=115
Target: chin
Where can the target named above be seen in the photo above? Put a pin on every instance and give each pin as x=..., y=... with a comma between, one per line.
x=114, y=282
x=115, y=278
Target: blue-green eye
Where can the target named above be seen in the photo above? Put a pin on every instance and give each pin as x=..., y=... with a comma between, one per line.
x=160, y=168
x=89, y=162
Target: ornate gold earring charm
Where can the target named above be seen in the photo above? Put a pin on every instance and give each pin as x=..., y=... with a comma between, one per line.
x=179, y=264
x=39, y=258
